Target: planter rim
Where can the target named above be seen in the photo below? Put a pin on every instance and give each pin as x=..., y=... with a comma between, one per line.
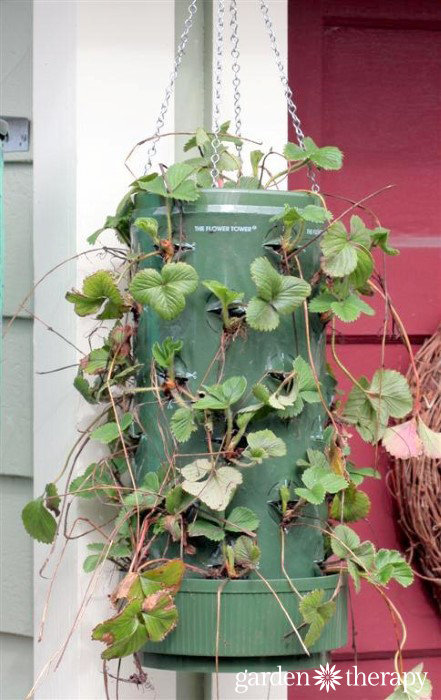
x=221, y=196
x=247, y=586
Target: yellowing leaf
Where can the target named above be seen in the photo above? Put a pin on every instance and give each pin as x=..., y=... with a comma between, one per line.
x=430, y=439
x=337, y=460
x=217, y=490
x=124, y=634
x=402, y=441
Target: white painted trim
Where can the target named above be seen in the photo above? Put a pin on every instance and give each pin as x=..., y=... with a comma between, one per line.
x=264, y=110
x=54, y=240
x=100, y=68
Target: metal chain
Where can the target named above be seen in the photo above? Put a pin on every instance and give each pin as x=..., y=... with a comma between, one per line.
x=235, y=55
x=292, y=107
x=217, y=90
x=180, y=52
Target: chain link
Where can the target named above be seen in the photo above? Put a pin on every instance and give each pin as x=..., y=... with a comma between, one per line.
x=217, y=90
x=180, y=52
x=235, y=55
x=292, y=107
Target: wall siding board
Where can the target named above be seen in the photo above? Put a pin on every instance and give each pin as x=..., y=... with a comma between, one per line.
x=16, y=570
x=16, y=400
x=16, y=64
x=15, y=558
x=18, y=236
x=17, y=665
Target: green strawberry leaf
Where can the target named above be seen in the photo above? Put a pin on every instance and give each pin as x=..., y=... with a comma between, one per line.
x=316, y=612
x=380, y=238
x=241, y=519
x=174, y=184
x=176, y=500
x=221, y=396
x=308, y=391
x=311, y=213
x=314, y=495
x=97, y=361
x=255, y=158
x=391, y=390
x=341, y=251
x=149, y=226
x=99, y=290
x=264, y=444
x=110, y=431
x=246, y=552
x=116, y=551
x=120, y=223
x=328, y=157
x=359, y=411
x=165, y=291
x=277, y=295
x=123, y=634
x=390, y=564
x=82, y=385
x=169, y=576
x=160, y=615
x=351, y=308
x=358, y=474
x=315, y=459
x=321, y=303
x=146, y=495
x=95, y=482
x=225, y=295
x=39, y=522
x=331, y=482
x=182, y=424
x=164, y=354
x=354, y=573
x=356, y=505
x=344, y=542
x=204, y=528
x=52, y=500
x=261, y=316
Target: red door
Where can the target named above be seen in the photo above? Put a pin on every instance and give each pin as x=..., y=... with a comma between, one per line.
x=366, y=75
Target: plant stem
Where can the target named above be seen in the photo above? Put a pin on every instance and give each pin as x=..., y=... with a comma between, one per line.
x=338, y=218
x=285, y=173
x=342, y=366
x=284, y=610
x=229, y=417
x=282, y=563
x=311, y=358
x=225, y=317
x=169, y=220
x=406, y=340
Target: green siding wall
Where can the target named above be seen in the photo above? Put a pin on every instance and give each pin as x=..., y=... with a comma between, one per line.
x=16, y=573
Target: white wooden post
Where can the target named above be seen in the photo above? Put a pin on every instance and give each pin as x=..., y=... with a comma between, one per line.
x=264, y=117
x=100, y=70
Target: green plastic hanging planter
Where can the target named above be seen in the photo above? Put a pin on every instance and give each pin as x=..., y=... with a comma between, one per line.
x=220, y=235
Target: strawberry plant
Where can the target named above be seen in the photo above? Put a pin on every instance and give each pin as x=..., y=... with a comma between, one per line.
x=217, y=434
